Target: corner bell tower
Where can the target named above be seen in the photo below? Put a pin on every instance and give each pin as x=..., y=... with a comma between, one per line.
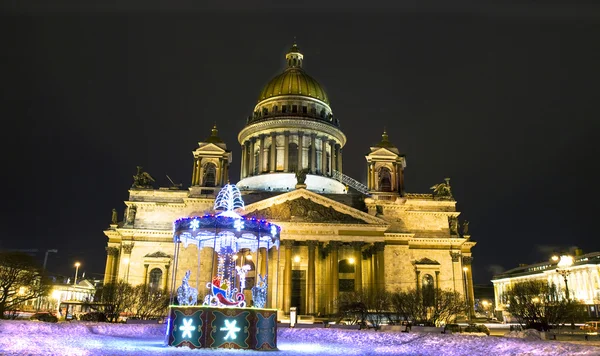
x=211, y=164
x=385, y=174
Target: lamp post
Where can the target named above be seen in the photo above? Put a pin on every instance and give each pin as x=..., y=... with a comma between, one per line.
x=564, y=262
x=465, y=269
x=46, y=257
x=77, y=264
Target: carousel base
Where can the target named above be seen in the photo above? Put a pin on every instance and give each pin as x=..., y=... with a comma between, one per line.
x=222, y=328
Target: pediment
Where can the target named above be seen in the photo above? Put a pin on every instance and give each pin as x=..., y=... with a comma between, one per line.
x=209, y=148
x=157, y=254
x=302, y=205
x=426, y=261
x=382, y=152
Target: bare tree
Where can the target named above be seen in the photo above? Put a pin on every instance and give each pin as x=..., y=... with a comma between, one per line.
x=433, y=306
x=21, y=280
x=537, y=304
x=149, y=303
x=117, y=298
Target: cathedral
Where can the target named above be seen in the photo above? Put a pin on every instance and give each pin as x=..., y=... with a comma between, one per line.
x=338, y=235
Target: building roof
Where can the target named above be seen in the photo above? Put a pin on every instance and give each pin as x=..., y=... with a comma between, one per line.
x=536, y=268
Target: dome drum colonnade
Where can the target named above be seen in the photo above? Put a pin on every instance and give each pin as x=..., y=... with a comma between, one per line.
x=293, y=127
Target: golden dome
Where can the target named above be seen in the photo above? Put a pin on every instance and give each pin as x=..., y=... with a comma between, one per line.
x=294, y=81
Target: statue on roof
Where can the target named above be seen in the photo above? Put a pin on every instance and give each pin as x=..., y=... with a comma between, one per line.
x=114, y=217
x=442, y=191
x=465, y=227
x=301, y=176
x=142, y=179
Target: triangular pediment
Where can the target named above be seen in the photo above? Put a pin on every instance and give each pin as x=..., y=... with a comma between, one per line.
x=207, y=147
x=383, y=152
x=302, y=205
x=426, y=261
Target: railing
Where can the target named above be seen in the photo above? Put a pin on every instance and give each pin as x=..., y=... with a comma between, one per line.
x=351, y=182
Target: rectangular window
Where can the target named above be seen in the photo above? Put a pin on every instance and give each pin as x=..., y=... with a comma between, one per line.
x=304, y=110
x=294, y=108
x=284, y=108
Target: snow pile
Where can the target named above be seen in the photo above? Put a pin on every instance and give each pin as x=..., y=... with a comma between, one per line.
x=88, y=338
x=527, y=334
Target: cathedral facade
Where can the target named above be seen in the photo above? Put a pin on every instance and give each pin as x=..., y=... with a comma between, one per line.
x=337, y=235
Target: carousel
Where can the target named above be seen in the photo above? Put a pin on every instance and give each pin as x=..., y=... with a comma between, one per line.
x=232, y=311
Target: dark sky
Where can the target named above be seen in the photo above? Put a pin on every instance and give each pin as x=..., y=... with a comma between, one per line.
x=503, y=99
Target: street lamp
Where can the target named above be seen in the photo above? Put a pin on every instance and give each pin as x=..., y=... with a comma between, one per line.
x=77, y=264
x=564, y=262
x=46, y=257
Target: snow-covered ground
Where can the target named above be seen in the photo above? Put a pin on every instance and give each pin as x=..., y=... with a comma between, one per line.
x=85, y=338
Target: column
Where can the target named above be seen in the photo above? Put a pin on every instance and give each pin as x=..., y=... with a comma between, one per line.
x=357, y=245
x=300, y=149
x=287, y=275
x=313, y=153
x=194, y=171
x=311, y=278
x=273, y=165
x=469, y=284
x=109, y=271
x=286, y=146
x=373, y=263
x=335, y=277
x=261, y=155
x=337, y=155
x=146, y=274
x=324, y=156
x=166, y=278
x=418, y=275
x=246, y=159
x=379, y=249
x=437, y=284
x=331, y=157
x=243, y=161
x=126, y=256
x=252, y=157
x=339, y=159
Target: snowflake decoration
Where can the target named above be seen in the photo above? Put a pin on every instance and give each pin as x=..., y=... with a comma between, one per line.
x=195, y=224
x=238, y=224
x=187, y=328
x=231, y=329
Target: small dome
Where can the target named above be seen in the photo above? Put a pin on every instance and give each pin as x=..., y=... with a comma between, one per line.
x=214, y=137
x=294, y=80
x=385, y=142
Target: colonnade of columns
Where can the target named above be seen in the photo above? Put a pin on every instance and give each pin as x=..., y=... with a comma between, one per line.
x=273, y=157
x=112, y=254
x=396, y=176
x=221, y=167
x=327, y=282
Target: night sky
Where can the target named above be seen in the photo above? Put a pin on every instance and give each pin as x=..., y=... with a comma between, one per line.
x=501, y=99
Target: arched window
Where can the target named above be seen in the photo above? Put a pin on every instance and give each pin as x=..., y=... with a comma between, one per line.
x=155, y=279
x=210, y=175
x=385, y=179
x=428, y=290
x=345, y=266
x=293, y=157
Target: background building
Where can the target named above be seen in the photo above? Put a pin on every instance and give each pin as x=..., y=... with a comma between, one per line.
x=338, y=235
x=581, y=280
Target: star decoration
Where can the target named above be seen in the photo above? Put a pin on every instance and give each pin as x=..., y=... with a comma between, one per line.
x=231, y=329
x=187, y=328
x=195, y=224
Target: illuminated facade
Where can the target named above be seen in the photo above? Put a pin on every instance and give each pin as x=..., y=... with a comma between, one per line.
x=337, y=235
x=582, y=280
